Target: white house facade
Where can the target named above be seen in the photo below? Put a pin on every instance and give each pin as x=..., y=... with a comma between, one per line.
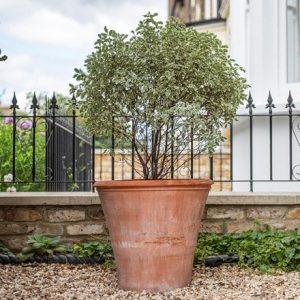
x=263, y=36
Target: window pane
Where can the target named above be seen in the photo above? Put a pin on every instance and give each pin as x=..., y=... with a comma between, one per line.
x=293, y=40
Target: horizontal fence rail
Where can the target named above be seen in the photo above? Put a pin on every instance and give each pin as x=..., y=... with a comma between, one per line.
x=46, y=149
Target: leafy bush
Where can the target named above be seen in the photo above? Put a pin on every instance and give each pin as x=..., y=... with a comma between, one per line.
x=42, y=245
x=160, y=82
x=24, y=137
x=93, y=248
x=265, y=250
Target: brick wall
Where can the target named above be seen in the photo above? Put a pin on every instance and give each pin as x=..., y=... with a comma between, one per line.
x=73, y=223
x=78, y=216
x=201, y=164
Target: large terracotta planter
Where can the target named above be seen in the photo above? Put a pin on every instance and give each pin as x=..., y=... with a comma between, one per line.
x=153, y=226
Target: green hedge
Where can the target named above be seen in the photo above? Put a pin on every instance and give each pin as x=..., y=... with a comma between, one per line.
x=265, y=250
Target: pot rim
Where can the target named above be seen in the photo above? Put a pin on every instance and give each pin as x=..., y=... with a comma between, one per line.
x=140, y=183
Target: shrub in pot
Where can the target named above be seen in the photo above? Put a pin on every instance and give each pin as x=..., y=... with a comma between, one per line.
x=165, y=89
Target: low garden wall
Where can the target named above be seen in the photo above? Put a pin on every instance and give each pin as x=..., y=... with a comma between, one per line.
x=78, y=216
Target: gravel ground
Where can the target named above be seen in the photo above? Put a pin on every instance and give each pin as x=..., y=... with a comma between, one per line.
x=93, y=282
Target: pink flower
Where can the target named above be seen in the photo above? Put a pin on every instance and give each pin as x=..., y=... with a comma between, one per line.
x=27, y=124
x=8, y=120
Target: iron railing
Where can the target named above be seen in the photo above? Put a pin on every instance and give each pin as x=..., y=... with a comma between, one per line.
x=47, y=150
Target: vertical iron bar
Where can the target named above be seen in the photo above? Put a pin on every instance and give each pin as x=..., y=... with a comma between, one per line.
x=291, y=145
x=53, y=107
x=34, y=107
x=152, y=153
x=271, y=147
x=290, y=105
x=231, y=152
x=251, y=106
x=132, y=149
x=221, y=168
x=101, y=160
x=211, y=167
x=14, y=107
x=46, y=144
x=14, y=147
x=93, y=162
x=74, y=106
x=172, y=147
x=199, y=165
x=113, y=149
x=251, y=153
x=192, y=152
x=270, y=105
x=53, y=147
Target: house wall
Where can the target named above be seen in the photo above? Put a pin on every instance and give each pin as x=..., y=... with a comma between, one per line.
x=78, y=216
x=258, y=41
x=256, y=34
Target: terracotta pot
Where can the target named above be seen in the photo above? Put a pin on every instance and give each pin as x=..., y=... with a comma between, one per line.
x=153, y=226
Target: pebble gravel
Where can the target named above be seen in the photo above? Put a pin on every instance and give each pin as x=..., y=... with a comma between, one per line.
x=94, y=282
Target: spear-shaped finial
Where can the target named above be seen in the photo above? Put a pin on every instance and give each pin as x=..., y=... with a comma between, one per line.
x=270, y=103
x=34, y=104
x=74, y=103
x=290, y=103
x=53, y=103
x=14, y=102
x=250, y=105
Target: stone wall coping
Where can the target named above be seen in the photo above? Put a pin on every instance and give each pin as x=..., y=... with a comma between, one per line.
x=89, y=198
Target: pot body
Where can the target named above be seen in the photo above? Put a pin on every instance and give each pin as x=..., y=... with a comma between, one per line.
x=153, y=227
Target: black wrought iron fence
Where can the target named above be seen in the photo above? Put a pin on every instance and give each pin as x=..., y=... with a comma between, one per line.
x=68, y=152
x=46, y=149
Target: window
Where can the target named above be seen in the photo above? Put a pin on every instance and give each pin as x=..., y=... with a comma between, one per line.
x=293, y=41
